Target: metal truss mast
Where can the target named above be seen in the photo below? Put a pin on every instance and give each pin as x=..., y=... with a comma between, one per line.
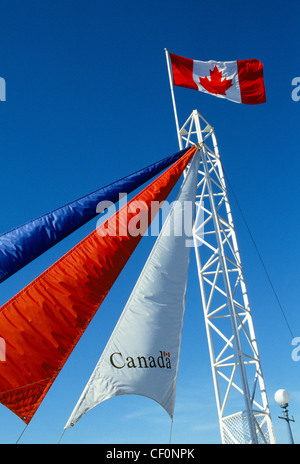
x=240, y=392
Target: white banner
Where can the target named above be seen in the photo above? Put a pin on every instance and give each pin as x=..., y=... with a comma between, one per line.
x=142, y=354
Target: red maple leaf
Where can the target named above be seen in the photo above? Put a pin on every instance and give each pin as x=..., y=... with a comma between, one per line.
x=216, y=85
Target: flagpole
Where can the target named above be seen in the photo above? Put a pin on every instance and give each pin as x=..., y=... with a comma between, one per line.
x=173, y=98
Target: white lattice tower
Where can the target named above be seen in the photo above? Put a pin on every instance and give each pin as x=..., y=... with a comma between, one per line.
x=240, y=392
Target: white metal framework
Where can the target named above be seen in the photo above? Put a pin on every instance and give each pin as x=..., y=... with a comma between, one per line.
x=240, y=392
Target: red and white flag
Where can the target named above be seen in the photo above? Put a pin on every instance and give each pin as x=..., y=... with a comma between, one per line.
x=240, y=81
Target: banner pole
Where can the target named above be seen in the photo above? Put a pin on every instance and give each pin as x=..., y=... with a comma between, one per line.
x=173, y=99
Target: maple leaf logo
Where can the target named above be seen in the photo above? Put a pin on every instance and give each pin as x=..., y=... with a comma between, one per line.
x=216, y=85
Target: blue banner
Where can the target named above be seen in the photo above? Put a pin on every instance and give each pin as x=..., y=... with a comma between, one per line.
x=23, y=244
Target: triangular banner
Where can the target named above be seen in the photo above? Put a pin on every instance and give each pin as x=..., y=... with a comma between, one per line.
x=142, y=354
x=42, y=324
x=25, y=243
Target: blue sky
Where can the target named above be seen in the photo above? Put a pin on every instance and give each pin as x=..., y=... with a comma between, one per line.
x=88, y=101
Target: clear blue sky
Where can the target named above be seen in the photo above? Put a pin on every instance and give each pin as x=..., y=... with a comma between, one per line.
x=88, y=101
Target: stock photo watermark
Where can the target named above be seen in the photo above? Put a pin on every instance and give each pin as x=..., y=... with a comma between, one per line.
x=296, y=350
x=2, y=350
x=136, y=218
x=2, y=89
x=296, y=91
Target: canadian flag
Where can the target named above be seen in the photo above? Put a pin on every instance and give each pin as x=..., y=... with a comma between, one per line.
x=240, y=81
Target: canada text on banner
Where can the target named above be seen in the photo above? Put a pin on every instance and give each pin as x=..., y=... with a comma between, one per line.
x=240, y=81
